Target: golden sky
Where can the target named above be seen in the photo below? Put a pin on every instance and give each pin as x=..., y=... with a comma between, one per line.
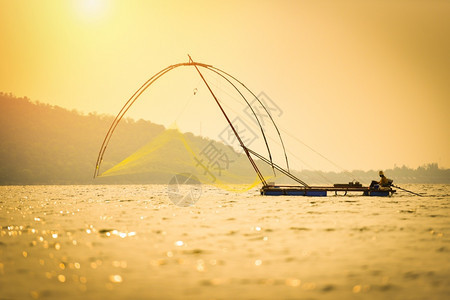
x=365, y=83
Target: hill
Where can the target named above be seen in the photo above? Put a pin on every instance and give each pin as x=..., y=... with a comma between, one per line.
x=43, y=144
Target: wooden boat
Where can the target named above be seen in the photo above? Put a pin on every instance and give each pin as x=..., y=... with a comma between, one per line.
x=322, y=191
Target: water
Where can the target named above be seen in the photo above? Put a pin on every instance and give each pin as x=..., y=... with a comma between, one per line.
x=115, y=242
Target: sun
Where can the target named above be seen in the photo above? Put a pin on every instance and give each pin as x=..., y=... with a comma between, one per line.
x=91, y=9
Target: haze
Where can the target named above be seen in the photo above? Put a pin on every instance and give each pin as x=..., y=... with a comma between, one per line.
x=365, y=83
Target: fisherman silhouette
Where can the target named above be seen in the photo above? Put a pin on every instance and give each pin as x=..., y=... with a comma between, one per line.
x=383, y=183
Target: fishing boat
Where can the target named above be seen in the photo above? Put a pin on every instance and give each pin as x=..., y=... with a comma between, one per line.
x=267, y=189
x=322, y=191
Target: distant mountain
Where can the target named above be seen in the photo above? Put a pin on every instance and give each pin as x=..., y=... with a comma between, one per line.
x=44, y=144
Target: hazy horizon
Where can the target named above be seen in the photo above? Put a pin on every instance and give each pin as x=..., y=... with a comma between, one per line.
x=45, y=144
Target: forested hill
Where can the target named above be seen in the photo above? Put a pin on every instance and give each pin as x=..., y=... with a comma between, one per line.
x=44, y=144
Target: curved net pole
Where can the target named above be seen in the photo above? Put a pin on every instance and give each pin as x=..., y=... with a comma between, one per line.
x=125, y=108
x=122, y=112
x=268, y=113
x=117, y=120
x=254, y=114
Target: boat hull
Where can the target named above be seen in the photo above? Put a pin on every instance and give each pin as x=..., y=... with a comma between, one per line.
x=378, y=193
x=275, y=190
x=293, y=192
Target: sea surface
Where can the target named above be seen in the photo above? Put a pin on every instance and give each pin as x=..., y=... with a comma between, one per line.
x=133, y=242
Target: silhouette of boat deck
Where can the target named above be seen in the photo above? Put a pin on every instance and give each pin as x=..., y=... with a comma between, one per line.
x=322, y=191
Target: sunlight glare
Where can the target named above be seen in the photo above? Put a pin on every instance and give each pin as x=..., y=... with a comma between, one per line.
x=91, y=8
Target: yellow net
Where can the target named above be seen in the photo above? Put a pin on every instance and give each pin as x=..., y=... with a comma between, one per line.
x=173, y=152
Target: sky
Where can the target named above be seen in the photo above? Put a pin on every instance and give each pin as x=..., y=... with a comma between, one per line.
x=364, y=83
